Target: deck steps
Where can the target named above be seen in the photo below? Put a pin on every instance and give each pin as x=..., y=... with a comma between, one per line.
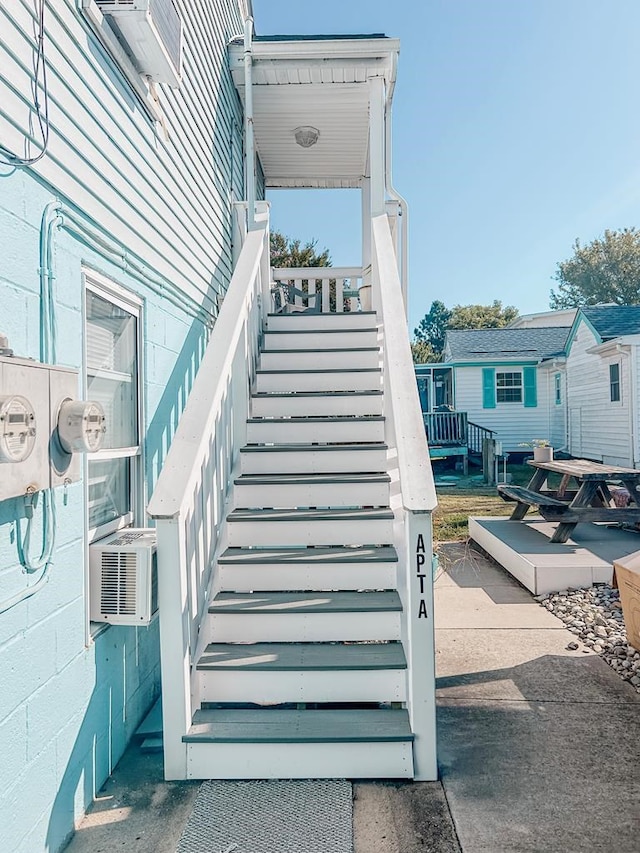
x=306, y=610
x=370, y=457
x=310, y=526
x=295, y=744
x=308, y=726
x=296, y=339
x=270, y=657
x=301, y=430
x=309, y=616
x=277, y=673
x=323, y=379
x=316, y=490
x=312, y=322
x=273, y=569
x=334, y=357
x=316, y=404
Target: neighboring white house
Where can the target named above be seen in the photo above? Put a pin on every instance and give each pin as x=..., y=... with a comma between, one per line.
x=603, y=397
x=544, y=319
x=511, y=381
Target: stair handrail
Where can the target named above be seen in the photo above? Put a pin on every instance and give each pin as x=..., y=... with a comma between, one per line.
x=413, y=499
x=182, y=465
x=416, y=476
x=189, y=497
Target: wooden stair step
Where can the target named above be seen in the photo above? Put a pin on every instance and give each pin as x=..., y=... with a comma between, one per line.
x=280, y=603
x=372, y=393
x=303, y=556
x=317, y=419
x=270, y=725
x=300, y=479
x=321, y=371
x=305, y=516
x=315, y=448
x=276, y=657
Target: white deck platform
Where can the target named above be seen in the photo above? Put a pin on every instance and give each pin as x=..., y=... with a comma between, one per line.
x=524, y=549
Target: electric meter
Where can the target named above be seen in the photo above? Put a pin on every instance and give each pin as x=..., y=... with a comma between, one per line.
x=17, y=428
x=81, y=426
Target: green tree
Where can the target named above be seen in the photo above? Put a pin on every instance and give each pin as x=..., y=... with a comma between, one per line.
x=433, y=328
x=605, y=270
x=286, y=252
x=492, y=316
x=423, y=353
x=428, y=342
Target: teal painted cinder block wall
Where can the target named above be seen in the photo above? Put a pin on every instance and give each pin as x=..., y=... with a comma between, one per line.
x=68, y=708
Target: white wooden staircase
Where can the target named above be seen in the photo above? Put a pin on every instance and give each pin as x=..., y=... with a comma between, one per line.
x=303, y=670
x=293, y=514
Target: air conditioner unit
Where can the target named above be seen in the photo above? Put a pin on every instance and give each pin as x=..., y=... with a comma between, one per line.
x=152, y=30
x=124, y=577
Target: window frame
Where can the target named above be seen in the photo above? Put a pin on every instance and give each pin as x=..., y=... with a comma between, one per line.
x=558, y=389
x=519, y=387
x=109, y=291
x=617, y=383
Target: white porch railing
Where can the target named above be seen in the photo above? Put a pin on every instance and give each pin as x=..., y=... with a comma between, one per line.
x=413, y=497
x=189, y=498
x=336, y=286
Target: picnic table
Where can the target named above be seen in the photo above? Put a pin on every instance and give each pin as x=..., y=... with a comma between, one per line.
x=590, y=498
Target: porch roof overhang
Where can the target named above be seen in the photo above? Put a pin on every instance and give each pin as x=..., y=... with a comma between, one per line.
x=321, y=82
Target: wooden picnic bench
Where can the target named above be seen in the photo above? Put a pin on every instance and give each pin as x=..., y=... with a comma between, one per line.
x=592, y=501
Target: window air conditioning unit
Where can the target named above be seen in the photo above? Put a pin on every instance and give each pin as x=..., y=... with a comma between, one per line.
x=152, y=30
x=124, y=577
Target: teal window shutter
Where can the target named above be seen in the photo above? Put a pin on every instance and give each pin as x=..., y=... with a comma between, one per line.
x=530, y=389
x=488, y=388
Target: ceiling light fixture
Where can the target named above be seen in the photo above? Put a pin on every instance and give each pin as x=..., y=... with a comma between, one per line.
x=306, y=136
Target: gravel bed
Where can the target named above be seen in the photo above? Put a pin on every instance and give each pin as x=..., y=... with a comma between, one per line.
x=595, y=616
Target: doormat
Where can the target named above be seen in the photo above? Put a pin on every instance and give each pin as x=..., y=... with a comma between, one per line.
x=271, y=816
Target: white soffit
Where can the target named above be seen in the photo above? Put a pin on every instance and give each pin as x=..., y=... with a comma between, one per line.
x=319, y=82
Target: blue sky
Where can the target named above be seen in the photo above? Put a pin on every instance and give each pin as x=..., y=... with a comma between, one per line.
x=516, y=130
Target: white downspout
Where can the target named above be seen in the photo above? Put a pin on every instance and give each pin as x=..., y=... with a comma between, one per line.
x=633, y=393
x=250, y=153
x=393, y=193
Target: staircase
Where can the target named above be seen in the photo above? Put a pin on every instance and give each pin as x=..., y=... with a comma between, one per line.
x=303, y=673
x=293, y=516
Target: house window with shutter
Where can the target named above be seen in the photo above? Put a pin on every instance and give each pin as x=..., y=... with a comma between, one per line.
x=509, y=387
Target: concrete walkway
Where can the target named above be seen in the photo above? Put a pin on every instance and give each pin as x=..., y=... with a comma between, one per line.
x=538, y=745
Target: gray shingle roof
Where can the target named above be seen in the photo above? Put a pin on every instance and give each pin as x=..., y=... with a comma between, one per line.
x=488, y=344
x=612, y=321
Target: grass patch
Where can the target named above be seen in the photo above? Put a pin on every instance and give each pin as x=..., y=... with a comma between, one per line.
x=472, y=497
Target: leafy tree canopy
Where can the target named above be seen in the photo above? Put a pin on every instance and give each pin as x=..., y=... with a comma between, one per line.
x=286, y=252
x=433, y=328
x=423, y=352
x=605, y=270
x=492, y=316
x=429, y=337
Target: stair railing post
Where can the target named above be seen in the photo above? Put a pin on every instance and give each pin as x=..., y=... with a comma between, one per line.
x=421, y=643
x=175, y=651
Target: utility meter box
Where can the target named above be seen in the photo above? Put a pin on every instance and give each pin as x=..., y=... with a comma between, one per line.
x=43, y=426
x=29, y=380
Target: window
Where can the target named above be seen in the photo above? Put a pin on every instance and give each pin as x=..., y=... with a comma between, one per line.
x=614, y=382
x=112, y=377
x=558, y=388
x=509, y=387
